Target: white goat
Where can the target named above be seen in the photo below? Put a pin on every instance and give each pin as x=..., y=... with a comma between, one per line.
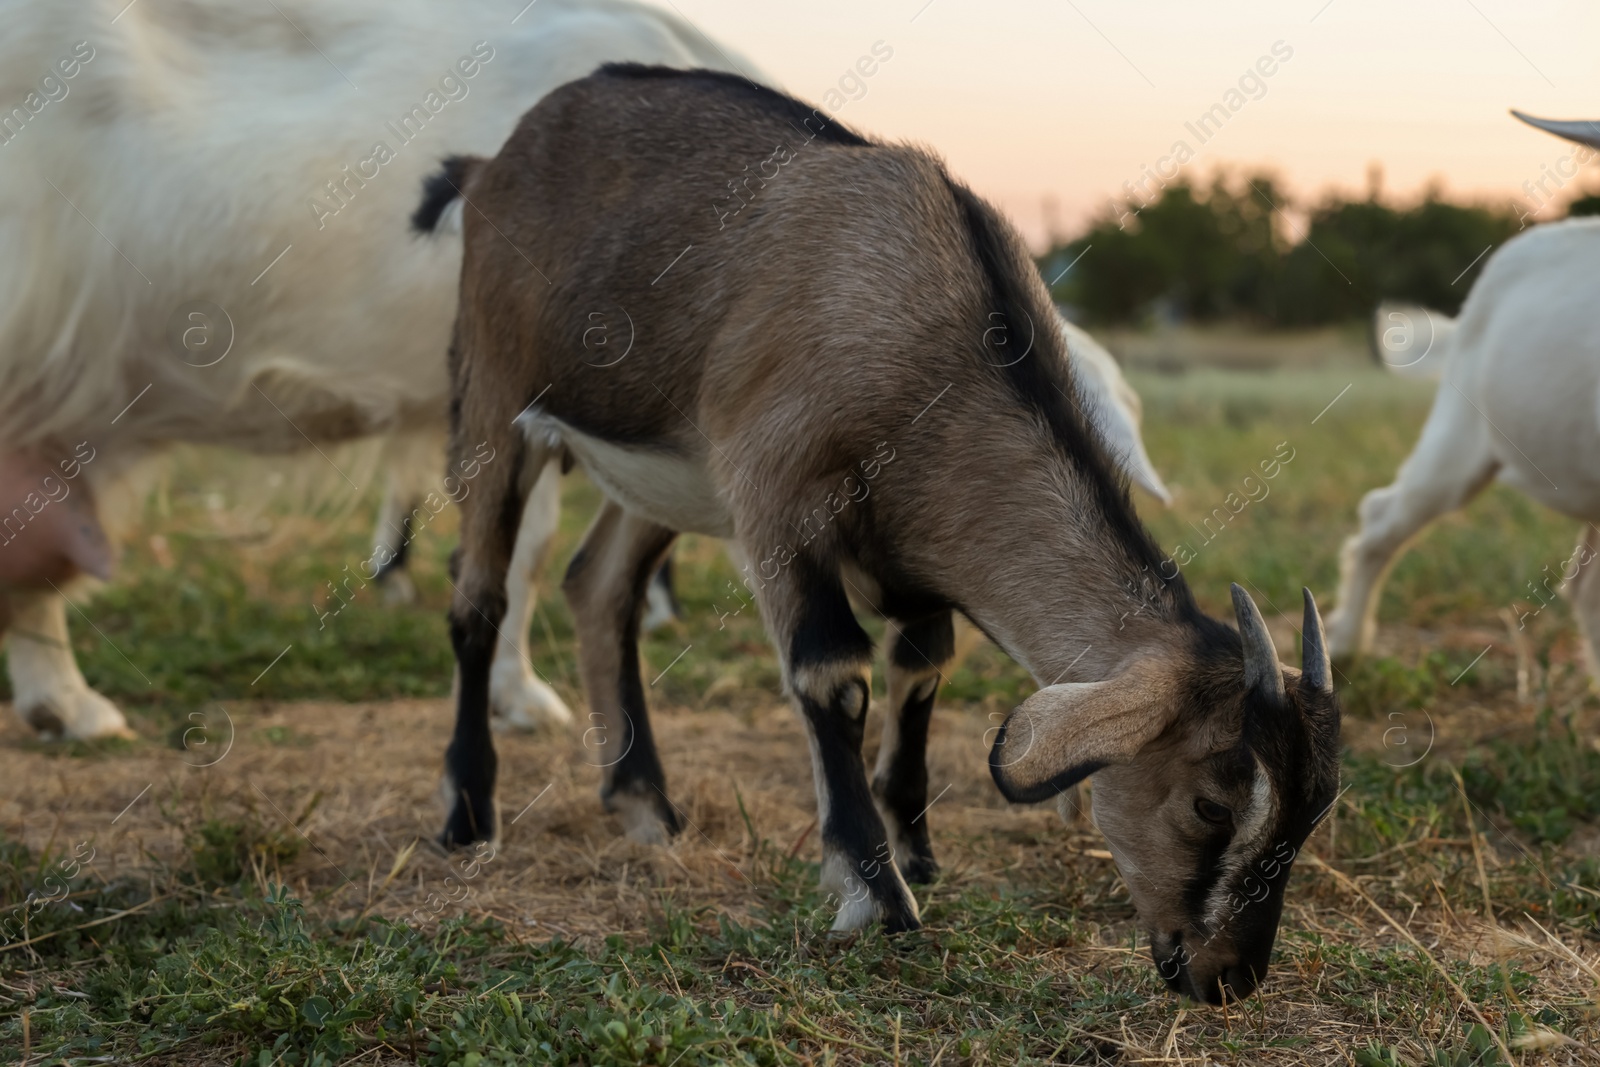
x=1519, y=400
x=206, y=207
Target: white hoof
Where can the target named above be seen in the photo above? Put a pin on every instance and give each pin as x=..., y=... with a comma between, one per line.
x=857, y=907
x=399, y=589
x=641, y=822
x=77, y=714
x=1347, y=640
x=857, y=913
x=658, y=609
x=520, y=701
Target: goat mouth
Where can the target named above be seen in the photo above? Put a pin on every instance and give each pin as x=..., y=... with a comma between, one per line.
x=1184, y=984
x=1172, y=963
x=1232, y=984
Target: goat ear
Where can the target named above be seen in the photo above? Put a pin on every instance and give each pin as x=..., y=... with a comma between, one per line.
x=1064, y=733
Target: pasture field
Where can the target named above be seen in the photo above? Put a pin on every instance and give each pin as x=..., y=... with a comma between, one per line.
x=253, y=880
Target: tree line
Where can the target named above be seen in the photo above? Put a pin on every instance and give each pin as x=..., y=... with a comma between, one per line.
x=1227, y=250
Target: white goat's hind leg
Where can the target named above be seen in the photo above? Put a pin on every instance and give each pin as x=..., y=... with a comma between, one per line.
x=391, y=541
x=517, y=697
x=660, y=602
x=1584, y=592
x=49, y=693
x=1451, y=464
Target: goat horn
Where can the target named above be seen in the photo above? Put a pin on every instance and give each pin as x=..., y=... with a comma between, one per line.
x=1316, y=672
x=1584, y=131
x=1261, y=670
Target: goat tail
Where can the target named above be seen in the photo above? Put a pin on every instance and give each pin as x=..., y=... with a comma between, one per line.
x=1412, y=341
x=441, y=189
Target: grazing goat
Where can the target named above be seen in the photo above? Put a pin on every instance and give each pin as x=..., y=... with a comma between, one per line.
x=202, y=218
x=1519, y=400
x=1111, y=404
x=859, y=379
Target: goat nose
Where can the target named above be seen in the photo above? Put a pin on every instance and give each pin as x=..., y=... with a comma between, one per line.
x=1241, y=981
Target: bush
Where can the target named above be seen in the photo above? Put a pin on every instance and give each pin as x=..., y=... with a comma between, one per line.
x=1227, y=252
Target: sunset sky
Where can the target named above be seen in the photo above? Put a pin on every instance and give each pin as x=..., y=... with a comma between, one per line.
x=1068, y=99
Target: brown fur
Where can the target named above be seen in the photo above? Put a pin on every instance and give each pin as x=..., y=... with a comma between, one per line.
x=864, y=368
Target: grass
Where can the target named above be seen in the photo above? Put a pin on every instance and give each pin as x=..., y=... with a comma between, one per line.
x=277, y=906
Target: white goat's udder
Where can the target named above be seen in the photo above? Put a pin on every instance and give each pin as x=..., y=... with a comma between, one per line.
x=674, y=490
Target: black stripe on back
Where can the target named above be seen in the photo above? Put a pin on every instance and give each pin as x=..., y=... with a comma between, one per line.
x=738, y=87
x=1041, y=382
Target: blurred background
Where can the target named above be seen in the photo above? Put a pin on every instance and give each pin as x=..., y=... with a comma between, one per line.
x=1048, y=107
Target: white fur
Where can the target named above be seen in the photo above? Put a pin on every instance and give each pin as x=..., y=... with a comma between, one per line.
x=48, y=691
x=669, y=488
x=858, y=909
x=1113, y=408
x=1245, y=848
x=190, y=147
x=641, y=821
x=657, y=608
x=1519, y=400
x=517, y=695
x=1411, y=341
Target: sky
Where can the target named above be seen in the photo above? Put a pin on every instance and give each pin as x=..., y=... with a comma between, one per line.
x=1047, y=107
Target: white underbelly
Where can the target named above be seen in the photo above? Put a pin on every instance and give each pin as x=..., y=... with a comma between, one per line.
x=669, y=488
x=1546, y=443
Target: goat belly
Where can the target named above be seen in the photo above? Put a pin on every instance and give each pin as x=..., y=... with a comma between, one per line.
x=666, y=486
x=49, y=531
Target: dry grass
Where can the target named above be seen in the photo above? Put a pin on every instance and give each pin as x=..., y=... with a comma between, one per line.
x=565, y=872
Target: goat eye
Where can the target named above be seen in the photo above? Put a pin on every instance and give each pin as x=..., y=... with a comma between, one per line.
x=1212, y=812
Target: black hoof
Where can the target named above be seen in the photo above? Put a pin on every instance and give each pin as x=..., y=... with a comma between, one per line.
x=466, y=827
x=918, y=869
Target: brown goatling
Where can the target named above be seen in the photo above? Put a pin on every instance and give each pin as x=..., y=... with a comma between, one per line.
x=858, y=377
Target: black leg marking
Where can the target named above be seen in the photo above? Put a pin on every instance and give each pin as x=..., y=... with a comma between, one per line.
x=637, y=772
x=606, y=584
x=856, y=845
x=900, y=782
x=829, y=655
x=903, y=789
x=470, y=760
x=825, y=631
x=926, y=644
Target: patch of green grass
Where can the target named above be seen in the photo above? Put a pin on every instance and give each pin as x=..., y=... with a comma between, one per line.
x=223, y=851
x=1544, y=788
x=1208, y=430
x=258, y=982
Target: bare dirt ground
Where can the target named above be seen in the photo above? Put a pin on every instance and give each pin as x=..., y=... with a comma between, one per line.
x=563, y=867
